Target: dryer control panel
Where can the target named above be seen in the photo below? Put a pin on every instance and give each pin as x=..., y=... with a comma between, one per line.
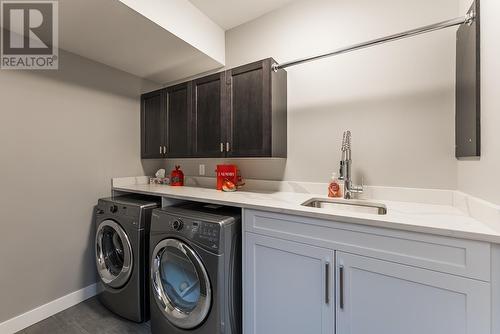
x=125, y=209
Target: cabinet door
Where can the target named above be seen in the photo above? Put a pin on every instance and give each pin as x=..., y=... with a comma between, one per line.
x=179, y=119
x=153, y=124
x=249, y=110
x=380, y=297
x=208, y=103
x=287, y=287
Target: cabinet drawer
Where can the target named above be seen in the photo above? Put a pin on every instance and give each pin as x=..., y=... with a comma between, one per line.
x=461, y=257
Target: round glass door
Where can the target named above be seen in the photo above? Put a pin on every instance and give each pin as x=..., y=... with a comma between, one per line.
x=180, y=284
x=113, y=254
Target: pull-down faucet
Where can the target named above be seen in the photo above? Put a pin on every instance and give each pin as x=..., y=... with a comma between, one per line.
x=345, y=168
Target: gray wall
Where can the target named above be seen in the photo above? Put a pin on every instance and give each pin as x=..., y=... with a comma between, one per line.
x=63, y=135
x=479, y=177
x=397, y=99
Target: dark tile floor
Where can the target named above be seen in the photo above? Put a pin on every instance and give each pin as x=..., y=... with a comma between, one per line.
x=88, y=317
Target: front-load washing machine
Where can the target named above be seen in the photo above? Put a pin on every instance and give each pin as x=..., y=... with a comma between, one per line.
x=121, y=254
x=195, y=270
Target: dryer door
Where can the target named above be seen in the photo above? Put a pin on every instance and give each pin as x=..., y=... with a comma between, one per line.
x=180, y=284
x=113, y=254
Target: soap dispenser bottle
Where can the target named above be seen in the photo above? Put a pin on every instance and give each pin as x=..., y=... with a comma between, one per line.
x=334, y=188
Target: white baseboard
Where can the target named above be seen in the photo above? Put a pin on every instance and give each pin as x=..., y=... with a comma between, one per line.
x=45, y=311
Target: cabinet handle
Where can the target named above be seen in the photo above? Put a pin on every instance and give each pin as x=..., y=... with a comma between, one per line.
x=327, y=282
x=341, y=287
x=164, y=150
x=161, y=150
x=222, y=147
x=227, y=147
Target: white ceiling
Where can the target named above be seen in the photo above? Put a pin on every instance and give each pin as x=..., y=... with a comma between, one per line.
x=231, y=13
x=109, y=32
x=162, y=41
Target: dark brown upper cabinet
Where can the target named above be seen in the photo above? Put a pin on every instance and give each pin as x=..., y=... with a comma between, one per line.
x=241, y=112
x=179, y=121
x=256, y=111
x=208, y=116
x=468, y=88
x=153, y=125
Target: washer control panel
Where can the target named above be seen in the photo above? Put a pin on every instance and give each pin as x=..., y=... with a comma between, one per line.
x=177, y=224
x=209, y=231
x=205, y=233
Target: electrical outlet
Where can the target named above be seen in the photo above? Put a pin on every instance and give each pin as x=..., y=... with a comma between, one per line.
x=202, y=170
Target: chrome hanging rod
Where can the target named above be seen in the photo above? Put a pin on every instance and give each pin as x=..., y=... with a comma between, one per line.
x=467, y=19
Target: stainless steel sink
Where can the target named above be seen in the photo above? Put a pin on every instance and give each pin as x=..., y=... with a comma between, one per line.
x=357, y=206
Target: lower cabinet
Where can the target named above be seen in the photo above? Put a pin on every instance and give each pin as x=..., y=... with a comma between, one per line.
x=287, y=287
x=291, y=287
x=306, y=277
x=380, y=297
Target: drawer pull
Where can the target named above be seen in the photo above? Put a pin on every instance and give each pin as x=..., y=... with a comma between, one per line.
x=341, y=287
x=327, y=283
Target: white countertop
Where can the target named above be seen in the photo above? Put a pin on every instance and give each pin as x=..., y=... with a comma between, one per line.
x=445, y=220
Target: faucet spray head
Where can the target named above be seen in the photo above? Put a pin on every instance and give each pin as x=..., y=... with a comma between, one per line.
x=346, y=141
x=346, y=145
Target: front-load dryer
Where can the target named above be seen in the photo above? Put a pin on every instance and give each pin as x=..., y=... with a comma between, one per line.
x=195, y=270
x=121, y=254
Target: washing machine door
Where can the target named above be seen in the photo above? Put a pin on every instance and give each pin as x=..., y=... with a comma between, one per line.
x=113, y=254
x=180, y=284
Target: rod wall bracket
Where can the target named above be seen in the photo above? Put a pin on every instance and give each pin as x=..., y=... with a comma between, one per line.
x=470, y=17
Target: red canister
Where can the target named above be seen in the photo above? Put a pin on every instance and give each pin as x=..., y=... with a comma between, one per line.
x=228, y=173
x=177, y=177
